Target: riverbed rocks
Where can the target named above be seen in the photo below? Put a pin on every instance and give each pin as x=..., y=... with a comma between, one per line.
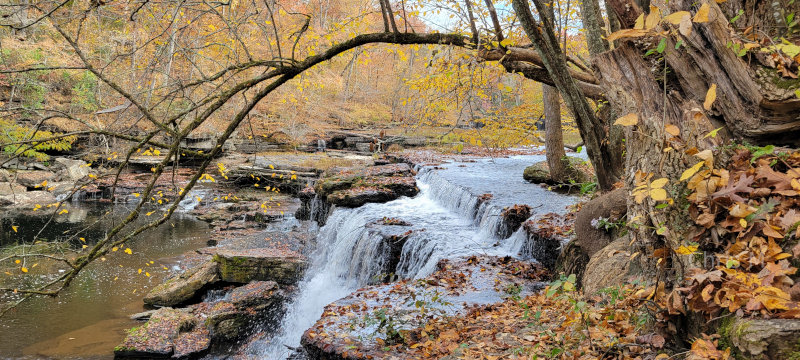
x=170, y=333
x=367, y=322
x=34, y=178
x=354, y=188
x=185, y=286
x=546, y=235
x=283, y=266
x=193, y=331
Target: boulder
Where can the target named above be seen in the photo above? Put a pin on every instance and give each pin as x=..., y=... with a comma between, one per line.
x=34, y=178
x=539, y=173
x=763, y=338
x=183, y=287
x=513, y=217
x=168, y=333
x=262, y=264
x=608, y=267
x=610, y=206
x=75, y=169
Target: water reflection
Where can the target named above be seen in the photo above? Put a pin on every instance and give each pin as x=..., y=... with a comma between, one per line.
x=89, y=318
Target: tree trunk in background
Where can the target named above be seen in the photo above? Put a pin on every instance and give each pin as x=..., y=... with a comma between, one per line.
x=593, y=131
x=747, y=107
x=554, y=138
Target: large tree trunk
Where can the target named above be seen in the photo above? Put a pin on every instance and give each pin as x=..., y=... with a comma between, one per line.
x=554, y=139
x=672, y=93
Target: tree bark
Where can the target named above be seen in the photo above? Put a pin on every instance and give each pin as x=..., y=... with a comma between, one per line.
x=554, y=139
x=592, y=129
x=671, y=92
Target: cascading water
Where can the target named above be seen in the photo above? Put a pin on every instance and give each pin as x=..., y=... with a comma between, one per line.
x=447, y=220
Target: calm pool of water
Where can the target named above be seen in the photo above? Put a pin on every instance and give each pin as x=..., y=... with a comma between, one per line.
x=89, y=318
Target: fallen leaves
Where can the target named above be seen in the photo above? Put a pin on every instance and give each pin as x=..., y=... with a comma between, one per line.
x=627, y=120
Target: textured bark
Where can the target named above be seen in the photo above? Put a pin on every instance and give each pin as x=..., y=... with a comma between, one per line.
x=554, y=140
x=592, y=129
x=746, y=108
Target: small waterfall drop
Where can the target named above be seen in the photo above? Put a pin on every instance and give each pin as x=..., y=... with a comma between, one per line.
x=447, y=220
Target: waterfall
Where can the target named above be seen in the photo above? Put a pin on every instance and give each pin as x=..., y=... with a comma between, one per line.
x=446, y=220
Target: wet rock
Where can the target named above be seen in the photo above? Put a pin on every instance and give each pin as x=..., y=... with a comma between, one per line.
x=350, y=325
x=75, y=169
x=608, y=267
x=29, y=198
x=235, y=318
x=185, y=286
x=374, y=184
x=263, y=264
x=545, y=237
x=513, y=217
x=165, y=335
x=34, y=178
x=393, y=234
x=306, y=196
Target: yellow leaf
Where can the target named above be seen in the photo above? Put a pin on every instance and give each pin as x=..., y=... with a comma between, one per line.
x=82, y=239
x=702, y=14
x=24, y=269
x=686, y=250
x=691, y=171
x=15, y=228
x=136, y=194
x=743, y=222
x=658, y=194
x=84, y=246
x=114, y=248
x=627, y=120
x=146, y=274
x=64, y=211
x=675, y=18
x=711, y=95
x=659, y=183
x=140, y=271
x=639, y=23
x=129, y=251
x=653, y=18
x=17, y=261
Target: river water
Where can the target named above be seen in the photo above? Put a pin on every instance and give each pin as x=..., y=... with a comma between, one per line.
x=448, y=221
x=91, y=316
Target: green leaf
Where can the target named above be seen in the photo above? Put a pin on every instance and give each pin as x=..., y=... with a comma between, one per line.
x=662, y=45
x=662, y=205
x=678, y=44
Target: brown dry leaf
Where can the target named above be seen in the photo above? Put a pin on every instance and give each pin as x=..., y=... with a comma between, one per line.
x=771, y=232
x=711, y=95
x=627, y=33
x=741, y=210
x=672, y=130
x=639, y=23
x=685, y=27
x=707, y=156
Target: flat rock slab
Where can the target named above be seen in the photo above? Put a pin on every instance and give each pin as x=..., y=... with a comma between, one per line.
x=765, y=338
x=157, y=338
x=185, y=286
x=263, y=264
x=361, y=325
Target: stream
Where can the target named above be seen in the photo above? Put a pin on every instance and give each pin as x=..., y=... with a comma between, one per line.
x=448, y=220
x=90, y=317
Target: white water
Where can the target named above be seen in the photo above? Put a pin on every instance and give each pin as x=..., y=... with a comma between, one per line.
x=448, y=223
